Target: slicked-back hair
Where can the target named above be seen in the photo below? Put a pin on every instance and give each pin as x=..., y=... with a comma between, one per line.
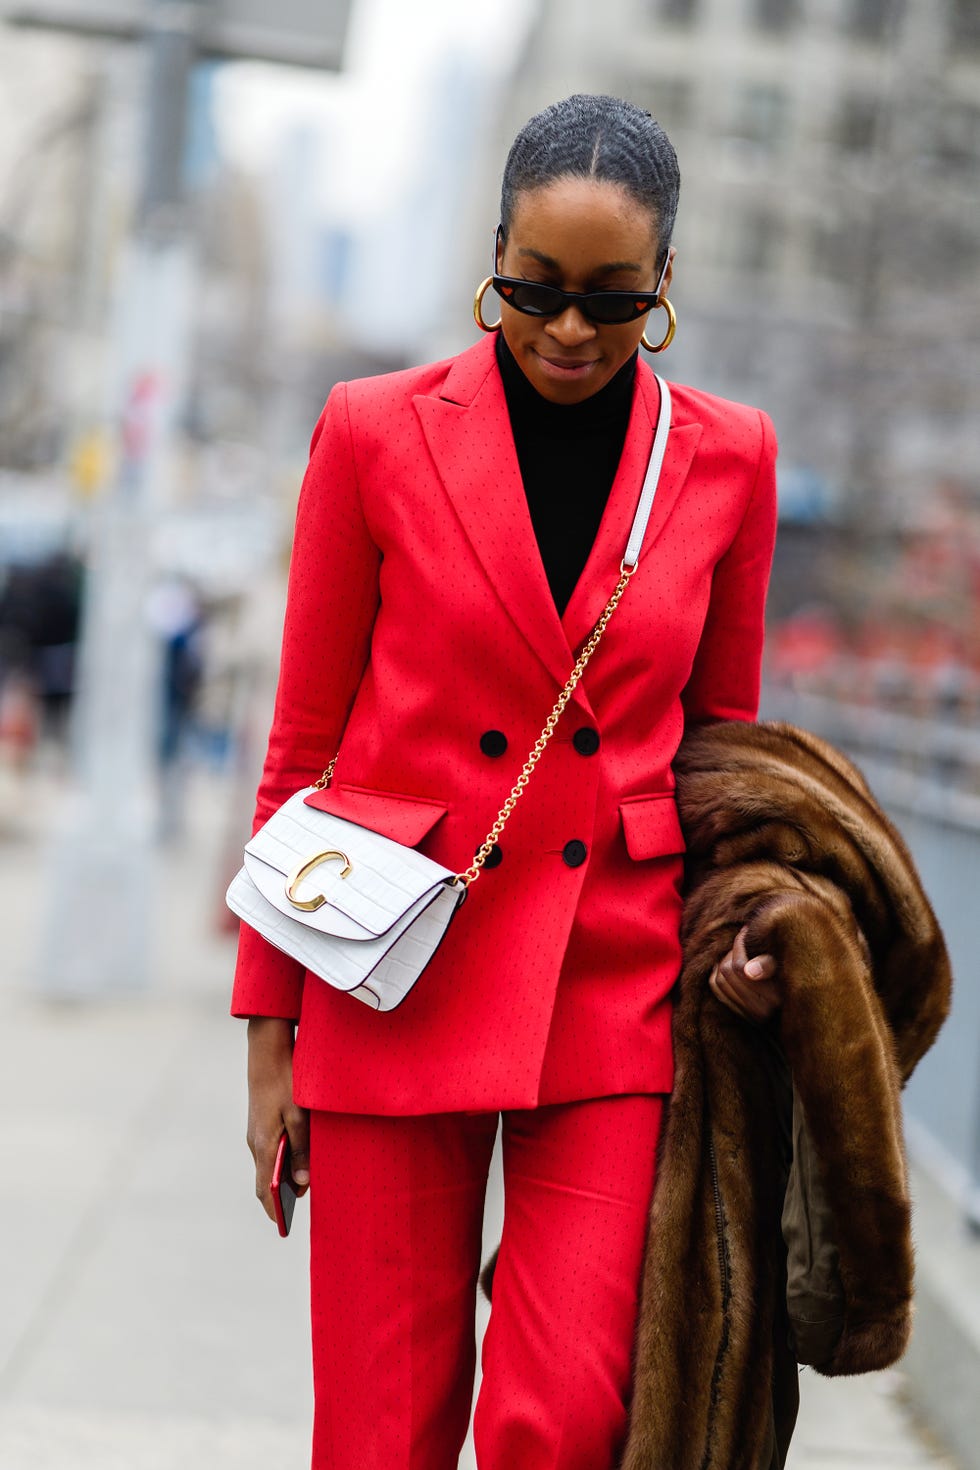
x=596, y=137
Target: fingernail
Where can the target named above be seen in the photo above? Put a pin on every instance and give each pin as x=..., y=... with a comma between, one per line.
x=301, y=1176
x=754, y=969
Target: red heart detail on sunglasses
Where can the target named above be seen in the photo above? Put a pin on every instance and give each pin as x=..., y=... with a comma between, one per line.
x=642, y=305
x=507, y=290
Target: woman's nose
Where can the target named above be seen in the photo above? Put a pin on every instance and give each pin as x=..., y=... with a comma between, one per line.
x=570, y=327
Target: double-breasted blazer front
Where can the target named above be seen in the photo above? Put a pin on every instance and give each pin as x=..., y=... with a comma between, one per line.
x=418, y=619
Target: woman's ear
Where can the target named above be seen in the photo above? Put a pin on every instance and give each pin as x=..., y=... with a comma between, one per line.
x=668, y=274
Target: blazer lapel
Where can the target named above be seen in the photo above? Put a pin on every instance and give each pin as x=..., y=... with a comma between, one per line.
x=601, y=571
x=469, y=436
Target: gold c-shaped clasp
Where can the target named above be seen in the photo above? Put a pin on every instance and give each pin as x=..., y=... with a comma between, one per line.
x=300, y=871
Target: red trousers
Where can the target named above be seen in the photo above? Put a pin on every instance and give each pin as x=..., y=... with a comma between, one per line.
x=396, y=1238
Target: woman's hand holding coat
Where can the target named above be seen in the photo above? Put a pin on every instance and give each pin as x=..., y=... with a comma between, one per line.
x=747, y=986
x=271, y=1107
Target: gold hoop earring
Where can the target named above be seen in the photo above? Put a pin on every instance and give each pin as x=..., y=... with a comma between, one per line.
x=671, y=329
x=481, y=291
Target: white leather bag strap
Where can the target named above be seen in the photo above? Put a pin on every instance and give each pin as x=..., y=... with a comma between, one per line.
x=626, y=569
x=651, y=479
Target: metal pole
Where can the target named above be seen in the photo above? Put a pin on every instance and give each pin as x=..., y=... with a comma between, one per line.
x=96, y=936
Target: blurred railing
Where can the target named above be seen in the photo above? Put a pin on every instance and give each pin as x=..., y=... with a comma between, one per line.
x=926, y=773
x=922, y=764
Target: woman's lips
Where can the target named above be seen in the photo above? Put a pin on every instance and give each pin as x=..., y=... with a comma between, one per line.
x=564, y=369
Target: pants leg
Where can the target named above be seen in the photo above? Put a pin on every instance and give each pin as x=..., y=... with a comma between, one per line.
x=557, y=1355
x=396, y=1214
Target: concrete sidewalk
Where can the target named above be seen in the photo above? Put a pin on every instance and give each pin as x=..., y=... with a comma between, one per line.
x=151, y=1317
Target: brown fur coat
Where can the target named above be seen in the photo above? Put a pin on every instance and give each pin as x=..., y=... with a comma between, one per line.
x=779, y=1231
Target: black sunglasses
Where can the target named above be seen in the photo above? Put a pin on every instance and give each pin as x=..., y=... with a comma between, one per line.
x=607, y=308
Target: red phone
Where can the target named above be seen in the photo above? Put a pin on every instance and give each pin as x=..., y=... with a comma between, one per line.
x=283, y=1188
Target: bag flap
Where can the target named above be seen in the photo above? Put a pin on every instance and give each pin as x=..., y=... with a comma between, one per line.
x=271, y=884
x=651, y=825
x=405, y=819
x=385, y=877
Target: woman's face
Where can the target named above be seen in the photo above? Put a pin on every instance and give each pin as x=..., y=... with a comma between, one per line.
x=581, y=235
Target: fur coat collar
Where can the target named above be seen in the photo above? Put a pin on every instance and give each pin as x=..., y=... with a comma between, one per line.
x=779, y=1230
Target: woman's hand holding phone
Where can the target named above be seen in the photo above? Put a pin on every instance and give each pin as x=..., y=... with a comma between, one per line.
x=283, y=1187
x=271, y=1110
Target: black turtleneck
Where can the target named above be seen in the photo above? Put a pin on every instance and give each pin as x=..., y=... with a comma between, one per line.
x=568, y=455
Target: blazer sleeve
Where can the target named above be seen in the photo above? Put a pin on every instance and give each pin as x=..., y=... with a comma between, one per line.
x=331, y=604
x=726, y=676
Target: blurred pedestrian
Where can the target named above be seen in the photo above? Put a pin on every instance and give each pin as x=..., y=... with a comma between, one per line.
x=58, y=600
x=460, y=530
x=20, y=708
x=39, y=620
x=175, y=614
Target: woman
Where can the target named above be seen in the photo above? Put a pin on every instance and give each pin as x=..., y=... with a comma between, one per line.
x=459, y=532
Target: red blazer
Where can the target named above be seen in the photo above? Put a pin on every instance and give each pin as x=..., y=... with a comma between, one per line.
x=418, y=619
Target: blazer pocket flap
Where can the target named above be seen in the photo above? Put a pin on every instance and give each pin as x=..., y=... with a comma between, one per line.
x=404, y=819
x=651, y=825
x=367, y=878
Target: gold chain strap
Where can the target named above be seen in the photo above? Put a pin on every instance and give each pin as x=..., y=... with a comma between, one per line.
x=473, y=872
x=324, y=780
